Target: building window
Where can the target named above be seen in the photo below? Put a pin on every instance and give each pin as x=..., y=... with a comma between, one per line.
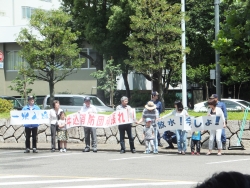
x=87, y=63
x=14, y=60
x=27, y=12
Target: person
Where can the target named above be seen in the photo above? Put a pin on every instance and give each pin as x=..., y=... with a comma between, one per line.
x=151, y=112
x=89, y=108
x=218, y=112
x=181, y=135
x=224, y=110
x=54, y=113
x=226, y=180
x=125, y=127
x=148, y=135
x=157, y=102
x=62, y=133
x=196, y=141
x=170, y=137
x=31, y=128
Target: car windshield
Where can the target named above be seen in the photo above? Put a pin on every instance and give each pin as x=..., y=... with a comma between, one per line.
x=96, y=102
x=245, y=103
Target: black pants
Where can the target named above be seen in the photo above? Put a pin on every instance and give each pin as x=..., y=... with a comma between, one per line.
x=90, y=131
x=53, y=136
x=196, y=143
x=28, y=132
x=128, y=129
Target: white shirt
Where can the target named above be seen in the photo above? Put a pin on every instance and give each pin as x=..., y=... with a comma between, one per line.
x=53, y=115
x=90, y=109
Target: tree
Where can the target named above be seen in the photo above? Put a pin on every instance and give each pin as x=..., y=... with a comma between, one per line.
x=22, y=81
x=49, y=48
x=108, y=78
x=155, y=39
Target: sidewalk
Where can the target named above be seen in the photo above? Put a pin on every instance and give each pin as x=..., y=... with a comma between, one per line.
x=116, y=148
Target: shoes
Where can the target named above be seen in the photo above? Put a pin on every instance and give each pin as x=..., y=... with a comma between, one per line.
x=122, y=151
x=61, y=150
x=197, y=153
x=86, y=150
x=27, y=150
x=146, y=152
x=219, y=154
x=208, y=153
x=169, y=147
x=34, y=150
x=179, y=152
x=94, y=150
x=224, y=146
x=53, y=150
x=64, y=150
x=183, y=153
x=155, y=152
x=133, y=151
x=192, y=153
x=160, y=144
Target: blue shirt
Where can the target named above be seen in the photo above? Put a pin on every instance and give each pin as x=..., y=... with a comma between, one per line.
x=158, y=106
x=196, y=135
x=34, y=107
x=223, y=108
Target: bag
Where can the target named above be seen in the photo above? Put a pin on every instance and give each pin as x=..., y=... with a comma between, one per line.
x=57, y=126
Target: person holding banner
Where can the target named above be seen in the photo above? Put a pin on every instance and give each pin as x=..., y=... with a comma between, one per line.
x=181, y=135
x=89, y=108
x=215, y=111
x=31, y=128
x=125, y=127
x=54, y=116
x=151, y=112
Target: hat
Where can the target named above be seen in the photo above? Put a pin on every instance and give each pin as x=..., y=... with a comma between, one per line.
x=213, y=96
x=148, y=120
x=150, y=105
x=30, y=97
x=155, y=93
x=86, y=99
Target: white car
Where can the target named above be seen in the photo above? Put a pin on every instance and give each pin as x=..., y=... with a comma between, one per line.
x=231, y=105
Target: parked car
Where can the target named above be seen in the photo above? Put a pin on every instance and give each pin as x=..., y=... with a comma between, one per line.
x=73, y=103
x=16, y=104
x=231, y=105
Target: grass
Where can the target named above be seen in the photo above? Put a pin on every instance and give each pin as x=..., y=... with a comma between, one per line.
x=231, y=115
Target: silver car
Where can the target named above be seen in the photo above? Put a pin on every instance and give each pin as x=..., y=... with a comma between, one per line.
x=73, y=103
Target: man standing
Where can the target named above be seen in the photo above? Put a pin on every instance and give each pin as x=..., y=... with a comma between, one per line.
x=151, y=112
x=125, y=127
x=224, y=110
x=89, y=108
x=155, y=99
x=30, y=128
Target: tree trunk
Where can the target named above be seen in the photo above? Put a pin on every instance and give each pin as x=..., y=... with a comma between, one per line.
x=99, y=66
x=234, y=91
x=239, y=90
x=207, y=95
x=158, y=86
x=125, y=78
x=51, y=92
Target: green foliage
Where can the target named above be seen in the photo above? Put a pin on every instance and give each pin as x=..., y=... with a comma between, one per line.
x=5, y=106
x=49, y=47
x=139, y=99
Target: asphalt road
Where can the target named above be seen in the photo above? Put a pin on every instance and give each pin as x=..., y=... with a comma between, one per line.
x=112, y=169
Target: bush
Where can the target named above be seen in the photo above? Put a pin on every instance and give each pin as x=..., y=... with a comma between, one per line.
x=5, y=106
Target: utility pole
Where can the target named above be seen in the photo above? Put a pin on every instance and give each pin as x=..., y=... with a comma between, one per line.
x=183, y=44
x=217, y=56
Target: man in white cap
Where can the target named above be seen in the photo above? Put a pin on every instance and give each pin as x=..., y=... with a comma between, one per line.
x=151, y=112
x=89, y=130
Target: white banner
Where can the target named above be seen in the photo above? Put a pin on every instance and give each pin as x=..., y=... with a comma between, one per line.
x=29, y=117
x=189, y=123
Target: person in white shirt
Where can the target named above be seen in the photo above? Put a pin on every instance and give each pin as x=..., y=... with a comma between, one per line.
x=54, y=113
x=89, y=130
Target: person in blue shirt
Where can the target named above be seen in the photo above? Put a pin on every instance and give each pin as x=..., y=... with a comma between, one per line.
x=157, y=102
x=196, y=141
x=31, y=128
x=224, y=110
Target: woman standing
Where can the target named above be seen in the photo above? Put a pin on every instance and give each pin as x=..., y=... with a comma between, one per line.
x=215, y=111
x=54, y=113
x=181, y=135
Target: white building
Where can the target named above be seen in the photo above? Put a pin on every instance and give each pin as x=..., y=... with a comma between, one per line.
x=14, y=15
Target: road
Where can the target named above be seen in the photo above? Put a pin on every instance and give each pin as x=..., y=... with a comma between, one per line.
x=111, y=169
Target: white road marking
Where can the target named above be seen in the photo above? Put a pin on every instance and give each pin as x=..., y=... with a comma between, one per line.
x=135, y=157
x=18, y=176
x=57, y=155
x=228, y=161
x=134, y=184
x=56, y=181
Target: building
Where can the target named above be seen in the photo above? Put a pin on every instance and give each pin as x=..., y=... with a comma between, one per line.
x=14, y=15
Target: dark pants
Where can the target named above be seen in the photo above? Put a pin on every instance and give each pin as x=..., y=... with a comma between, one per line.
x=170, y=137
x=128, y=129
x=196, y=143
x=90, y=131
x=53, y=136
x=28, y=132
